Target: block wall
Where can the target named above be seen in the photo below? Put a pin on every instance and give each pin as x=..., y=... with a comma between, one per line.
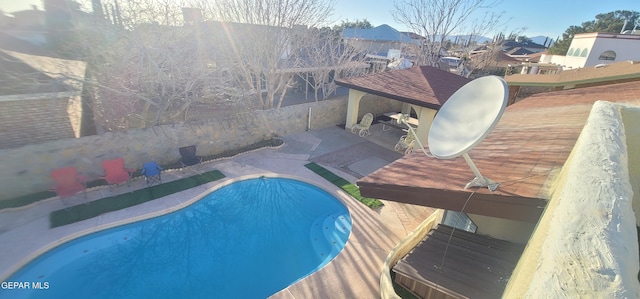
x=26, y=169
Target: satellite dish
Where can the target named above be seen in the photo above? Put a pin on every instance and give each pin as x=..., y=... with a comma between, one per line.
x=465, y=119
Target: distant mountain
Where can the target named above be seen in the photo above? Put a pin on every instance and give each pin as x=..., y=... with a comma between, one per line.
x=540, y=39
x=478, y=39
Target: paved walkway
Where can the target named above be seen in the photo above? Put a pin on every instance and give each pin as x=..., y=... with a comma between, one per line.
x=354, y=273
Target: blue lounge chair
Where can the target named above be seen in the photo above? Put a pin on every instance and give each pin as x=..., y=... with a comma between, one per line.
x=151, y=171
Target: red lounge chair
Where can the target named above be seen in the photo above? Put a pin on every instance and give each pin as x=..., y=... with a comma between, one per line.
x=115, y=173
x=68, y=182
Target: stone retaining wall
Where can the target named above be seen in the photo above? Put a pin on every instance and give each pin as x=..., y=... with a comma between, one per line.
x=26, y=169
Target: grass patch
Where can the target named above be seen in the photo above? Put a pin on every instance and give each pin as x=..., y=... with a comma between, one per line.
x=25, y=199
x=109, y=204
x=351, y=189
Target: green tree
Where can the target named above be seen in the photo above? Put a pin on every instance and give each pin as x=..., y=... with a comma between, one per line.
x=362, y=24
x=610, y=22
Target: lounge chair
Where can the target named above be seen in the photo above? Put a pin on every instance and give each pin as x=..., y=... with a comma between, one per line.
x=405, y=143
x=189, y=157
x=68, y=182
x=151, y=171
x=363, y=127
x=115, y=172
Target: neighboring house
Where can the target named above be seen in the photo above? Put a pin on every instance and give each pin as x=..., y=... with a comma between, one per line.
x=590, y=49
x=295, y=61
x=38, y=101
x=520, y=51
x=378, y=40
x=566, y=166
x=26, y=25
x=509, y=46
x=522, y=85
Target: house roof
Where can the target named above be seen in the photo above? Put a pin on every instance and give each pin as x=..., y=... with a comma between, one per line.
x=623, y=70
x=18, y=77
x=31, y=74
x=461, y=264
x=383, y=32
x=514, y=44
x=424, y=86
x=519, y=51
x=524, y=153
x=11, y=43
x=500, y=58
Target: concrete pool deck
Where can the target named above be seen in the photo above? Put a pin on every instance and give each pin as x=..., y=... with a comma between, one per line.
x=354, y=273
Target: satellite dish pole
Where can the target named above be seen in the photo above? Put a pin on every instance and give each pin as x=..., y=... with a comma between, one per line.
x=479, y=180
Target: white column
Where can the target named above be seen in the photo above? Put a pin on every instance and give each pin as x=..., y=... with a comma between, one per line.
x=406, y=108
x=425, y=119
x=352, y=107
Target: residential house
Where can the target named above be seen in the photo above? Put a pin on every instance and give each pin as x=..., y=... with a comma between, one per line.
x=40, y=98
x=523, y=85
x=566, y=175
x=591, y=49
x=26, y=25
x=378, y=40
x=515, y=47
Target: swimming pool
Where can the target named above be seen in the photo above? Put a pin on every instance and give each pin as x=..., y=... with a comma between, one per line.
x=248, y=239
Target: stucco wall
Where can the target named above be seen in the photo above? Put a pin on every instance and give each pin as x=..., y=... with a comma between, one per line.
x=585, y=244
x=26, y=169
x=503, y=229
x=631, y=119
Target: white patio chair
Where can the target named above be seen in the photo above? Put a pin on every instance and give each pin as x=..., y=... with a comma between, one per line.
x=363, y=127
x=405, y=143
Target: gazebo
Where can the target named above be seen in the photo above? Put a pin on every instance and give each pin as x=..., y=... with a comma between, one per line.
x=422, y=88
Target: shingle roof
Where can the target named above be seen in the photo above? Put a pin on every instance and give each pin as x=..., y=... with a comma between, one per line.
x=28, y=74
x=420, y=85
x=524, y=153
x=18, y=77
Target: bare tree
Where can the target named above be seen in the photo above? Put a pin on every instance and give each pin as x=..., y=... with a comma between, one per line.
x=264, y=34
x=326, y=58
x=437, y=20
x=150, y=75
x=130, y=13
x=146, y=70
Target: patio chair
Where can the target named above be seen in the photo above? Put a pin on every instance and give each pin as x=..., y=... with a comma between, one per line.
x=188, y=154
x=363, y=127
x=68, y=182
x=151, y=171
x=405, y=143
x=115, y=172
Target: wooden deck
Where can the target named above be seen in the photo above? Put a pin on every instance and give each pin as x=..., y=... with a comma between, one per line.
x=452, y=263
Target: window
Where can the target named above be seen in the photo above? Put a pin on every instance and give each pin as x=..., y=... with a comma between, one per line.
x=577, y=52
x=584, y=53
x=570, y=52
x=459, y=220
x=608, y=55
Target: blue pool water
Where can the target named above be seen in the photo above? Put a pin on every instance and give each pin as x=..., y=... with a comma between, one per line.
x=249, y=239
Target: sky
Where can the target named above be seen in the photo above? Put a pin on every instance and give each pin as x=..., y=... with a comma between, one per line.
x=543, y=17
